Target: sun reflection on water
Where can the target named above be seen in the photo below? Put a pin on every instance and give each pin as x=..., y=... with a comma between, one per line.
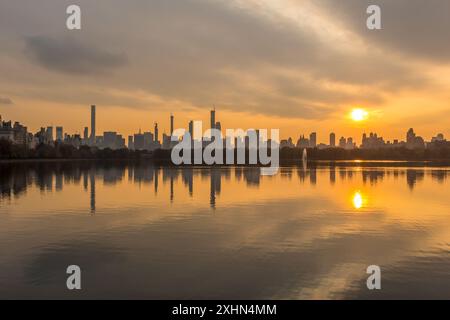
x=358, y=200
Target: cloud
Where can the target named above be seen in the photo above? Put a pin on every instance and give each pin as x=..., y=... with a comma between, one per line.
x=414, y=28
x=201, y=53
x=68, y=55
x=6, y=101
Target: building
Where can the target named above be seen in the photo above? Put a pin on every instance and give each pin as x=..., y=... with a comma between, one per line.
x=213, y=118
x=20, y=134
x=130, y=143
x=287, y=143
x=191, y=129
x=6, y=130
x=156, y=133
x=166, y=141
x=92, y=138
x=332, y=140
x=73, y=140
x=413, y=141
x=372, y=141
x=438, y=138
x=342, y=142
x=109, y=140
x=59, y=134
x=139, y=141
x=149, y=141
x=313, y=140
x=171, y=124
x=302, y=142
x=86, y=135
x=49, y=134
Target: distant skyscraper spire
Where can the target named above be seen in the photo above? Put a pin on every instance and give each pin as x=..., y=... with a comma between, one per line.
x=213, y=118
x=171, y=124
x=92, y=124
x=156, y=132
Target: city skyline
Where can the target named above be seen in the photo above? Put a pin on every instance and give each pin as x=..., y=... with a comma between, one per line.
x=150, y=140
x=310, y=75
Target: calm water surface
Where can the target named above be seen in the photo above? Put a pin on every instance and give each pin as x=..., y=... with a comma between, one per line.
x=140, y=231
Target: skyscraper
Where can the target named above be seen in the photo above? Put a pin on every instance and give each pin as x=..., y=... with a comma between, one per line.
x=332, y=140
x=130, y=143
x=191, y=129
x=86, y=135
x=171, y=124
x=49, y=134
x=59, y=134
x=156, y=132
x=93, y=124
x=313, y=140
x=213, y=118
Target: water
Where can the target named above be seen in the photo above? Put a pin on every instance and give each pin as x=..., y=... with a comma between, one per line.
x=139, y=231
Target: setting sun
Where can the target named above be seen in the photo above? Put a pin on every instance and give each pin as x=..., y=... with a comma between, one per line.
x=359, y=114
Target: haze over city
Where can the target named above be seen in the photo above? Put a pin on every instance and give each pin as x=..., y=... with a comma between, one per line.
x=300, y=66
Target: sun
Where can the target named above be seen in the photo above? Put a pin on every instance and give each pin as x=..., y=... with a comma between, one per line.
x=359, y=115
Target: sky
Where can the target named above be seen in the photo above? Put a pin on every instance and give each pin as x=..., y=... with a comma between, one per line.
x=295, y=65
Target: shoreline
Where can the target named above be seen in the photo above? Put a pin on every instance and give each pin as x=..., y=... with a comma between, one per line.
x=283, y=163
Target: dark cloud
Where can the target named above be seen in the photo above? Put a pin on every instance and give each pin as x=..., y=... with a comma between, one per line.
x=415, y=28
x=69, y=55
x=6, y=101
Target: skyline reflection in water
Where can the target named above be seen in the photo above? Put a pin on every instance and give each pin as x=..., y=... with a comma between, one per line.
x=142, y=231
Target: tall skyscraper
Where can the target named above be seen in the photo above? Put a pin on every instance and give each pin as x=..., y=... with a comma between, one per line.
x=86, y=135
x=332, y=140
x=156, y=132
x=191, y=129
x=49, y=134
x=59, y=134
x=213, y=118
x=171, y=124
x=93, y=124
x=313, y=140
x=130, y=143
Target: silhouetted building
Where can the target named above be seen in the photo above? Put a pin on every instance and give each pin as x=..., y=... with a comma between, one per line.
x=413, y=141
x=156, y=133
x=191, y=129
x=59, y=134
x=372, y=141
x=93, y=125
x=313, y=140
x=213, y=118
x=17, y=134
x=112, y=140
x=139, y=141
x=86, y=135
x=130, y=143
x=49, y=134
x=332, y=140
x=302, y=142
x=287, y=143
